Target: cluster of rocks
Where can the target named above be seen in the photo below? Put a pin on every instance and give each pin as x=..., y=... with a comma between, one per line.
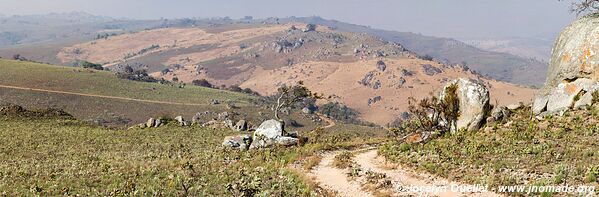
x=285, y=46
x=381, y=66
x=430, y=70
x=309, y=28
x=501, y=113
x=406, y=73
x=573, y=71
x=270, y=133
x=369, y=80
x=221, y=122
x=374, y=100
x=153, y=123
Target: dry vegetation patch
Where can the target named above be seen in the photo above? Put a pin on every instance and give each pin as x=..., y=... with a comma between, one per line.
x=518, y=151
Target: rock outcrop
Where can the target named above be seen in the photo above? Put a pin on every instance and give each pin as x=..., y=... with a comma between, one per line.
x=182, y=121
x=573, y=73
x=270, y=133
x=241, y=142
x=473, y=103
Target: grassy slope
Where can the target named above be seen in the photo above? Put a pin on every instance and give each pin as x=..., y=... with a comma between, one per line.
x=56, y=157
x=550, y=152
x=32, y=75
x=116, y=111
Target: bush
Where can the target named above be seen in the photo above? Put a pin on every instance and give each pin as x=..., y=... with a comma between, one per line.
x=86, y=64
x=339, y=112
x=427, y=57
x=235, y=88
x=433, y=115
x=343, y=160
x=202, y=83
x=136, y=75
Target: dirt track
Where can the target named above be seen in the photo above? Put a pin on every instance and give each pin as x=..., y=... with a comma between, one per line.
x=100, y=96
x=336, y=180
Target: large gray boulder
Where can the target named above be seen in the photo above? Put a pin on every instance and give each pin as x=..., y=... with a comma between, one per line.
x=270, y=129
x=473, y=103
x=287, y=141
x=241, y=142
x=270, y=133
x=574, y=69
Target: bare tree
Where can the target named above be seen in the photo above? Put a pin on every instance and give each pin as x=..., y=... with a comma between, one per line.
x=585, y=6
x=289, y=95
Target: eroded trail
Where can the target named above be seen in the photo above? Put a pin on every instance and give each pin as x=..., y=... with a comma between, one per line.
x=337, y=180
x=100, y=96
x=370, y=161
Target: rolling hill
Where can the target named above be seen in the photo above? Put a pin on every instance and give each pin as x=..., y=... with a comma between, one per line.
x=101, y=97
x=41, y=37
x=367, y=73
x=497, y=65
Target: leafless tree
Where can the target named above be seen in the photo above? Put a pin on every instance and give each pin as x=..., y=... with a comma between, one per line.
x=584, y=6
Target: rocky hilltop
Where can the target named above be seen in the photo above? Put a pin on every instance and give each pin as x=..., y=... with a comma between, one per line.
x=364, y=72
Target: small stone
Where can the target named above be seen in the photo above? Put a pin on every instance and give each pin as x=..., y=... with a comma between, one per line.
x=241, y=142
x=151, y=122
x=515, y=106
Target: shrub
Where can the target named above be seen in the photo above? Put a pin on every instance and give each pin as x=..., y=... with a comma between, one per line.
x=433, y=115
x=235, y=88
x=86, y=64
x=427, y=57
x=339, y=112
x=202, y=83
x=343, y=160
x=136, y=75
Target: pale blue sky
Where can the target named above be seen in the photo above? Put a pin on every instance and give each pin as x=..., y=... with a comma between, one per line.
x=447, y=18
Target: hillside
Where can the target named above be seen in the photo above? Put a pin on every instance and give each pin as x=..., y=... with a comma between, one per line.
x=101, y=97
x=40, y=38
x=497, y=65
x=364, y=72
x=45, y=155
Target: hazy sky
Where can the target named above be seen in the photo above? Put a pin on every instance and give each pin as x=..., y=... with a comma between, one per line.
x=447, y=18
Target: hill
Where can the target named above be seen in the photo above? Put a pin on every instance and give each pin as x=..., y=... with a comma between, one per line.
x=359, y=70
x=497, y=65
x=40, y=38
x=101, y=97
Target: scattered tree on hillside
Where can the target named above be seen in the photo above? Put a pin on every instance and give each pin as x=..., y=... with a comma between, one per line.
x=585, y=6
x=287, y=96
x=136, y=75
x=434, y=115
x=86, y=64
x=202, y=83
x=427, y=57
x=339, y=112
x=19, y=57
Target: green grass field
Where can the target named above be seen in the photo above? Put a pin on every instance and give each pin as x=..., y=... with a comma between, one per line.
x=47, y=157
x=87, y=81
x=185, y=101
